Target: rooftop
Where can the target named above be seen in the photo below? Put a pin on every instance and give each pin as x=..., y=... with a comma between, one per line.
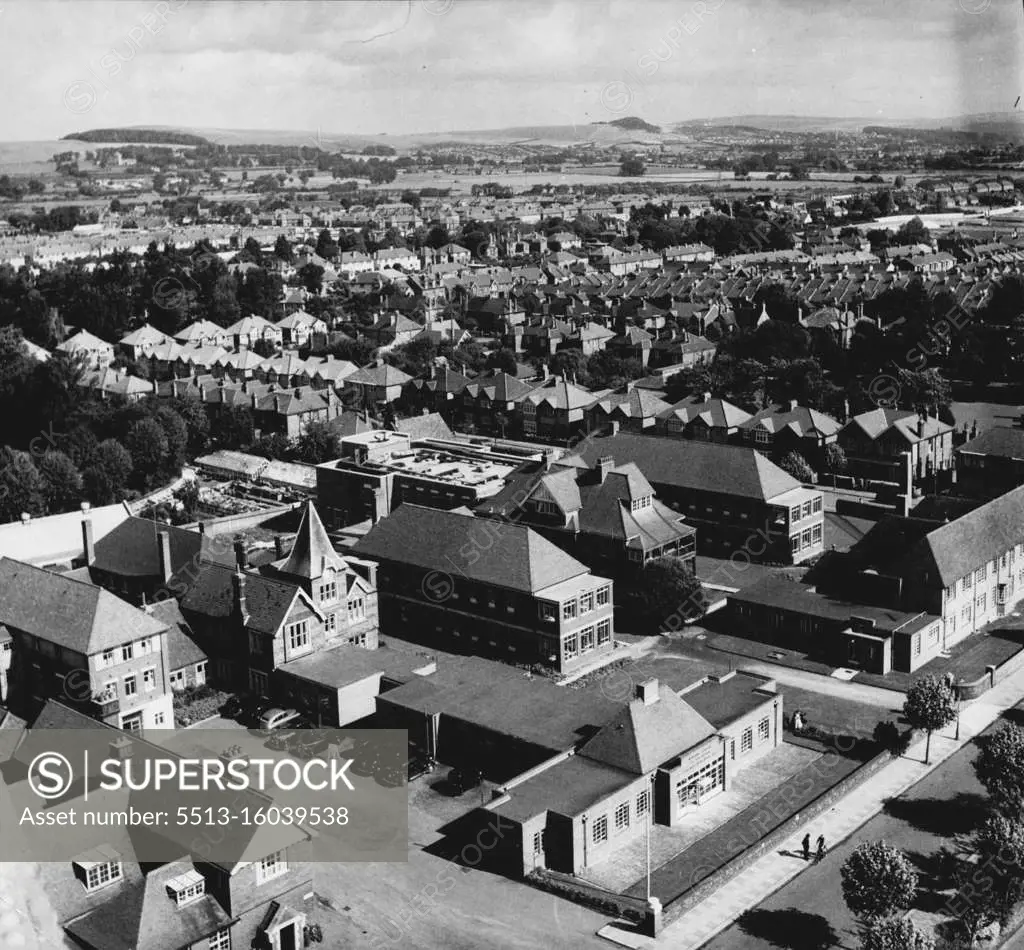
x=723, y=700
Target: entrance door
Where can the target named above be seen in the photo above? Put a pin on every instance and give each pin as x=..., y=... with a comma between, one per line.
x=287, y=938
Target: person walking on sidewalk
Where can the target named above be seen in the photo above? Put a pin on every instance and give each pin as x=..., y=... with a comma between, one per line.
x=807, y=846
x=821, y=849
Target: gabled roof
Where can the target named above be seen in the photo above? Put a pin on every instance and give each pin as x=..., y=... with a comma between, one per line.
x=429, y=426
x=636, y=404
x=132, y=549
x=561, y=394
x=644, y=736
x=714, y=412
x=1001, y=441
x=800, y=420
x=704, y=466
x=386, y=375
x=878, y=422
x=438, y=540
x=70, y=613
x=147, y=333
x=267, y=600
x=143, y=916
x=499, y=387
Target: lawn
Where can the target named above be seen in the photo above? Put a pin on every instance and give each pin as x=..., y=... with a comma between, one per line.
x=831, y=713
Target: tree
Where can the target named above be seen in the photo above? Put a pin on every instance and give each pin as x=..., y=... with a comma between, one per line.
x=176, y=433
x=232, y=427
x=105, y=479
x=273, y=445
x=889, y=735
x=632, y=167
x=930, y=705
x=796, y=465
x=147, y=445
x=835, y=458
x=197, y=424
x=998, y=767
x=319, y=443
x=999, y=843
x=22, y=489
x=896, y=933
x=878, y=881
x=326, y=246
x=62, y=482
x=666, y=591
x=282, y=248
x=311, y=277
x=503, y=360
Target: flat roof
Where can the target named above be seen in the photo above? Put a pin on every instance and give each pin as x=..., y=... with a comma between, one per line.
x=723, y=701
x=347, y=664
x=567, y=788
x=507, y=701
x=572, y=587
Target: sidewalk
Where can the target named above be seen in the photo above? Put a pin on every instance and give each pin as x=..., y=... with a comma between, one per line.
x=776, y=869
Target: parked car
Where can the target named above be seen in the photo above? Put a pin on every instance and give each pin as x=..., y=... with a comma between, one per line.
x=275, y=717
x=232, y=708
x=252, y=708
x=420, y=765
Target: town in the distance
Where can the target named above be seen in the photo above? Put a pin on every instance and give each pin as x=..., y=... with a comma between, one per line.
x=663, y=484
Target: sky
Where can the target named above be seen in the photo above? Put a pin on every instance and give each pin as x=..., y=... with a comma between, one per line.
x=404, y=66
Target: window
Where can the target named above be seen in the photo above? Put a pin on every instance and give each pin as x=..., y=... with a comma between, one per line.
x=548, y=612
x=569, y=610
x=604, y=596
x=600, y=831
x=359, y=640
x=538, y=842
x=273, y=865
x=130, y=686
x=570, y=647
x=817, y=504
x=816, y=534
x=178, y=679
x=933, y=634
x=604, y=632
x=965, y=582
x=330, y=623
x=747, y=740
x=965, y=614
x=982, y=600
x=126, y=652
x=187, y=887
x=762, y=436
x=586, y=602
x=144, y=646
x=255, y=643
x=637, y=504
x=622, y=816
x=221, y=940
x=587, y=640
x=356, y=610
x=108, y=658
x=807, y=508
x=980, y=574
x=158, y=719
x=764, y=729
x=917, y=644
x=149, y=679
x=329, y=591
x=643, y=802
x=95, y=872
x=794, y=543
x=298, y=635
x=794, y=514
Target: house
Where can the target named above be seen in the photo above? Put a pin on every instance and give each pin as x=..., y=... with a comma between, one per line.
x=441, y=387
x=684, y=347
x=608, y=517
x=555, y=410
x=374, y=385
x=737, y=499
x=297, y=328
x=248, y=331
x=877, y=443
x=203, y=333
x=291, y=411
x=782, y=428
x=69, y=638
x=400, y=257
x=490, y=404
x=111, y=383
x=253, y=621
x=487, y=589
x=992, y=463
x=141, y=342
x=94, y=352
x=633, y=343
x=705, y=418
x=633, y=411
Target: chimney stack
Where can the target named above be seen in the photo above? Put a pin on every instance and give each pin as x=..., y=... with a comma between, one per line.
x=279, y=551
x=647, y=691
x=88, y=544
x=241, y=555
x=604, y=465
x=164, y=552
x=241, y=609
x=705, y=397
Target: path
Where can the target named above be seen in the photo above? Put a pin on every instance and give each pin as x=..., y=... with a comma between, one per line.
x=765, y=876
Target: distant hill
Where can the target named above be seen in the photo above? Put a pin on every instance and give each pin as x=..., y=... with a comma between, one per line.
x=137, y=136
x=632, y=123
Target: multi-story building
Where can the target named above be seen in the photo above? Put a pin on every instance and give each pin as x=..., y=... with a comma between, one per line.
x=782, y=428
x=380, y=469
x=736, y=498
x=252, y=621
x=876, y=444
x=71, y=639
x=608, y=517
x=704, y=417
x=490, y=404
x=556, y=410
x=992, y=463
x=479, y=587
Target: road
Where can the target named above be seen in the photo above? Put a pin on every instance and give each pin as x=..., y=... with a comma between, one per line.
x=809, y=912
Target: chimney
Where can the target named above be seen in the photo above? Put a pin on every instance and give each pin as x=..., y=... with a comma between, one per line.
x=793, y=405
x=613, y=427
x=241, y=609
x=908, y=483
x=88, y=545
x=164, y=552
x=647, y=691
x=241, y=555
x=604, y=465
x=279, y=551
x=705, y=397
x=277, y=404
x=202, y=529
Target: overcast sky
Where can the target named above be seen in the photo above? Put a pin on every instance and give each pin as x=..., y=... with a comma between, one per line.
x=440, y=65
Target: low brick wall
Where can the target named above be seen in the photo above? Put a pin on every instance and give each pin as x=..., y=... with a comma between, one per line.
x=589, y=895
x=743, y=860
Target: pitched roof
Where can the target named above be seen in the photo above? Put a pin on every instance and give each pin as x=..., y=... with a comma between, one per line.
x=267, y=600
x=520, y=559
x=714, y=412
x=386, y=375
x=147, y=333
x=1001, y=441
x=877, y=422
x=67, y=612
x=132, y=549
x=312, y=550
x=800, y=420
x=704, y=466
x=644, y=736
x=561, y=394
x=143, y=916
x=429, y=426
x=182, y=648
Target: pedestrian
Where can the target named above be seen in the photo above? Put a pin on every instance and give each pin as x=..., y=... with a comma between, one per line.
x=807, y=846
x=821, y=849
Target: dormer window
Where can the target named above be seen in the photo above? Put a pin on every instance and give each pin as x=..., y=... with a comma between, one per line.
x=187, y=888
x=98, y=868
x=329, y=591
x=638, y=504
